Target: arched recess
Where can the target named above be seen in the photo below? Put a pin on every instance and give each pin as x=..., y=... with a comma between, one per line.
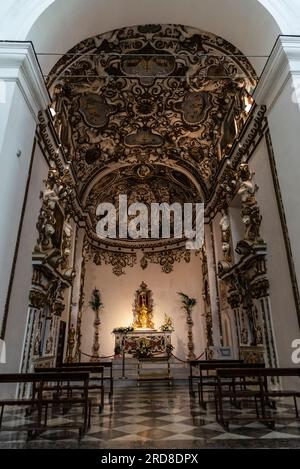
x=252, y=26
x=152, y=94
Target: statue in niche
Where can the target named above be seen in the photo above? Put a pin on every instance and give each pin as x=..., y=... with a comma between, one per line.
x=143, y=308
x=251, y=217
x=224, y=265
x=46, y=228
x=67, y=242
x=38, y=338
x=226, y=235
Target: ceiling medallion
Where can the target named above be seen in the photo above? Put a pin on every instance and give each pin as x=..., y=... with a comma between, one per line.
x=144, y=137
x=94, y=109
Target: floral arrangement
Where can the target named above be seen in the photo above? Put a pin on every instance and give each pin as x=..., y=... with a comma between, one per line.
x=168, y=325
x=123, y=330
x=143, y=349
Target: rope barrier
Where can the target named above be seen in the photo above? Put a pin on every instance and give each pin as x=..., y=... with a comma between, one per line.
x=174, y=356
x=187, y=361
x=91, y=356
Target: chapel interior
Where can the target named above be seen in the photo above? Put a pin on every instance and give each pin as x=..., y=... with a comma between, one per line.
x=166, y=104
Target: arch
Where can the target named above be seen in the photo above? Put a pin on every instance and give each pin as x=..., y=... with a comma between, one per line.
x=252, y=26
x=175, y=108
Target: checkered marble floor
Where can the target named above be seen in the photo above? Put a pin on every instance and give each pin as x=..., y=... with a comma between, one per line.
x=156, y=416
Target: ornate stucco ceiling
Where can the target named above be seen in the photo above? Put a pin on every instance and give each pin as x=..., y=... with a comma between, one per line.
x=142, y=183
x=148, y=95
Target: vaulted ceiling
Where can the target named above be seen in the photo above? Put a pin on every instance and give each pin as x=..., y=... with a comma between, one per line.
x=136, y=100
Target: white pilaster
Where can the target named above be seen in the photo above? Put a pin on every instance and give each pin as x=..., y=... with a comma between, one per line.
x=279, y=90
x=25, y=94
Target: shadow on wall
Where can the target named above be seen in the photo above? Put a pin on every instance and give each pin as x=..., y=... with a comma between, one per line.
x=181, y=351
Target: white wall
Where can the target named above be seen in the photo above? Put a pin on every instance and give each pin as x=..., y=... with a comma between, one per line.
x=283, y=311
x=118, y=297
x=17, y=317
x=245, y=23
x=18, y=135
x=284, y=122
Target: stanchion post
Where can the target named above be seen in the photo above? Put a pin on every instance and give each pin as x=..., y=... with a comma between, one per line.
x=123, y=358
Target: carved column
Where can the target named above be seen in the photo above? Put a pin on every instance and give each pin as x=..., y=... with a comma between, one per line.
x=207, y=306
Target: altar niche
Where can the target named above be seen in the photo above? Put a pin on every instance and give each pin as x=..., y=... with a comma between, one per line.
x=142, y=310
x=158, y=342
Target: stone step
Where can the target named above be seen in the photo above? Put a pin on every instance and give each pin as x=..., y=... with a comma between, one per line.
x=179, y=370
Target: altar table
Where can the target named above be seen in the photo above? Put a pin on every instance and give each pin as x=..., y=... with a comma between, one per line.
x=128, y=342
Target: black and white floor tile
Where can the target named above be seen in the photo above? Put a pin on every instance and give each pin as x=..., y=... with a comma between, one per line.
x=156, y=416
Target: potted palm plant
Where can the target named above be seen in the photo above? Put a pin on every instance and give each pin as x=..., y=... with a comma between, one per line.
x=96, y=305
x=188, y=304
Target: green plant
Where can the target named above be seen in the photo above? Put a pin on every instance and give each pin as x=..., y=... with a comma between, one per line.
x=187, y=302
x=96, y=302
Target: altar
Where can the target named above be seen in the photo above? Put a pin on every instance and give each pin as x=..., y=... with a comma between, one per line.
x=159, y=342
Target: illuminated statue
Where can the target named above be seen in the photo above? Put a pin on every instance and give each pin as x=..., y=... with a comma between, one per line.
x=144, y=317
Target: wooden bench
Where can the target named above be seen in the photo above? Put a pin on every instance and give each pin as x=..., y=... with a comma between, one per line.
x=40, y=399
x=92, y=369
x=257, y=378
x=194, y=364
x=106, y=365
x=207, y=380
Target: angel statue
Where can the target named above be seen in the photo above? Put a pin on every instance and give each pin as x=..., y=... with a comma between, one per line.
x=251, y=217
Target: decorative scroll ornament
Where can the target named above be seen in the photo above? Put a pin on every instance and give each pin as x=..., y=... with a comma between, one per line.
x=118, y=260
x=166, y=259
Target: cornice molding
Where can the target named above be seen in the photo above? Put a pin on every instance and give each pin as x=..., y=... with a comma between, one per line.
x=18, y=63
x=283, y=63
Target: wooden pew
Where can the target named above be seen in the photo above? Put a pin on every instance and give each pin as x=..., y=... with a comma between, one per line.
x=194, y=364
x=92, y=370
x=259, y=390
x=209, y=380
x=106, y=364
x=38, y=400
